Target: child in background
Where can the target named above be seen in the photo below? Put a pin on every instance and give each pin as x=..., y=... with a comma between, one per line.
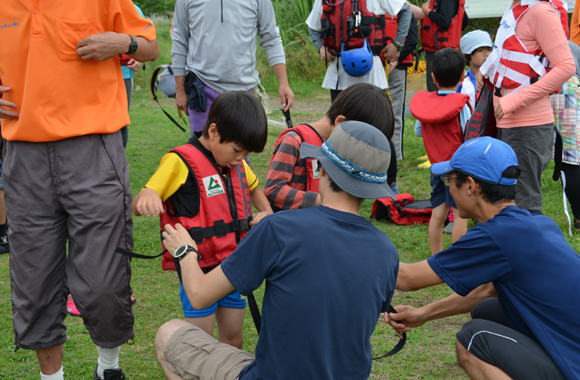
x=292, y=182
x=207, y=187
x=441, y=120
x=476, y=47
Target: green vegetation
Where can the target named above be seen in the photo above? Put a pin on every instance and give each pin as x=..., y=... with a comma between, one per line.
x=429, y=353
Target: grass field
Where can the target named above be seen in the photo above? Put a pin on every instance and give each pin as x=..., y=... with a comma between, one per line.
x=429, y=353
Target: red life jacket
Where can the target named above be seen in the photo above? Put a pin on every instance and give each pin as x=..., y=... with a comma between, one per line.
x=124, y=59
x=391, y=33
x=223, y=207
x=439, y=117
x=310, y=136
x=405, y=210
x=434, y=38
x=337, y=15
x=511, y=65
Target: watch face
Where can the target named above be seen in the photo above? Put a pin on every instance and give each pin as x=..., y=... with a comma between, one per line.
x=180, y=251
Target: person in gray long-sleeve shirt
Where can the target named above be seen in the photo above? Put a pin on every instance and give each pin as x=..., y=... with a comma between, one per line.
x=218, y=44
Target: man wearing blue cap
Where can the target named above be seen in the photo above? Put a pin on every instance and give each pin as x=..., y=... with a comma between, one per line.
x=327, y=281
x=531, y=330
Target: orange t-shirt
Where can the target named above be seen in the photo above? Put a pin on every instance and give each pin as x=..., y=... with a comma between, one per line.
x=575, y=25
x=58, y=95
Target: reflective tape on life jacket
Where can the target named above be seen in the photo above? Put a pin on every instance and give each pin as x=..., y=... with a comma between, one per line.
x=338, y=21
x=439, y=117
x=307, y=135
x=224, y=207
x=434, y=38
x=511, y=64
x=391, y=33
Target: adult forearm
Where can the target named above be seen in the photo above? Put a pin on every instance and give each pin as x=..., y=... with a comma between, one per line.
x=147, y=50
x=403, y=22
x=456, y=304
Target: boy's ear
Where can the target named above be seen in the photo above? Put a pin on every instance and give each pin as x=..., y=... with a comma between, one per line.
x=213, y=132
x=435, y=79
x=339, y=119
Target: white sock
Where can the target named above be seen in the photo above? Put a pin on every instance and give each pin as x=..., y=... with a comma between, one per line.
x=108, y=359
x=57, y=376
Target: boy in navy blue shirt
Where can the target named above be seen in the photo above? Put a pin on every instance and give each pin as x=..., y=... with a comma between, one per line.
x=531, y=330
x=329, y=265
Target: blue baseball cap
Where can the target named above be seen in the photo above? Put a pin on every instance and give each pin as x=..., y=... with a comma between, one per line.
x=474, y=40
x=484, y=158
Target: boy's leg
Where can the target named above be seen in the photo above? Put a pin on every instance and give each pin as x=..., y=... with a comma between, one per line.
x=438, y=217
x=459, y=226
x=206, y=323
x=187, y=352
x=230, y=323
x=438, y=214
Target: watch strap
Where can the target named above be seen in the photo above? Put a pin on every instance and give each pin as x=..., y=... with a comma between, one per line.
x=133, y=47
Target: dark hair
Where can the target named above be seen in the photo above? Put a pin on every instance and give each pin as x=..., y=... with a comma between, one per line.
x=467, y=58
x=240, y=118
x=492, y=192
x=367, y=103
x=448, y=65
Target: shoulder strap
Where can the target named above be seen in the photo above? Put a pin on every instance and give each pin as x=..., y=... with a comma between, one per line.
x=152, y=82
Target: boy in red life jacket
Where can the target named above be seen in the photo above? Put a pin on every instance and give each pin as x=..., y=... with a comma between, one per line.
x=207, y=187
x=476, y=47
x=292, y=182
x=441, y=120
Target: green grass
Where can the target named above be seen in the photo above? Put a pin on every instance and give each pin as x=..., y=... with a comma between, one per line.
x=430, y=352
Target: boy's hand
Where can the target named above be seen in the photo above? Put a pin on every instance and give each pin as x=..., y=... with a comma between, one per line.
x=5, y=112
x=173, y=238
x=479, y=78
x=149, y=203
x=259, y=216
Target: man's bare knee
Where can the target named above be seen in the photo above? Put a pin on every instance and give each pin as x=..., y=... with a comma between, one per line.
x=164, y=333
x=462, y=354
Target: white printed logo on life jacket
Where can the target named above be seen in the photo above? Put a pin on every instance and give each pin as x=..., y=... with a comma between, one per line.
x=315, y=170
x=213, y=185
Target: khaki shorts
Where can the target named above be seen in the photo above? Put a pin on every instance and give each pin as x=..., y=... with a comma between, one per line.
x=194, y=355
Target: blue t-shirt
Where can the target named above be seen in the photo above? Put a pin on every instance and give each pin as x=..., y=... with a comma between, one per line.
x=536, y=274
x=127, y=72
x=328, y=276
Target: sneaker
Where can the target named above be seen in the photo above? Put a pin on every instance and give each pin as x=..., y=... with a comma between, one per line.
x=426, y=164
x=448, y=228
x=423, y=158
x=110, y=374
x=71, y=308
x=4, y=246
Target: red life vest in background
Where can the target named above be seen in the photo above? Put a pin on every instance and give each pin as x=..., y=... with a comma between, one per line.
x=439, y=117
x=405, y=210
x=510, y=64
x=391, y=33
x=433, y=38
x=310, y=136
x=124, y=59
x=224, y=210
x=338, y=19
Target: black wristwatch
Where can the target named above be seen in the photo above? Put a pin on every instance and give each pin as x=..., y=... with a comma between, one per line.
x=134, y=45
x=183, y=250
x=398, y=45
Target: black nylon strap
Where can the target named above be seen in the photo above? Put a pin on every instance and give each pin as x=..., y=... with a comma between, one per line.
x=255, y=312
x=558, y=152
x=137, y=255
x=399, y=346
x=152, y=87
x=219, y=229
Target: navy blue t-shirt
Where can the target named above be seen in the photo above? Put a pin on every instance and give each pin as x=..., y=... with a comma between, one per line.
x=536, y=274
x=328, y=276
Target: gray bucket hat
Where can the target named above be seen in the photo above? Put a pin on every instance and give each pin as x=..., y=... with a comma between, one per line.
x=356, y=157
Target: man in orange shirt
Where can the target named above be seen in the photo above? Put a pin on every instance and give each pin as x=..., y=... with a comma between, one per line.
x=64, y=104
